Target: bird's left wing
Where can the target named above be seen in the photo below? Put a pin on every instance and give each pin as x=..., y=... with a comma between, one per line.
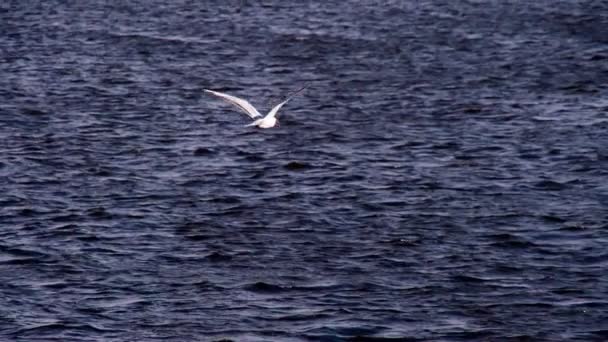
x=243, y=105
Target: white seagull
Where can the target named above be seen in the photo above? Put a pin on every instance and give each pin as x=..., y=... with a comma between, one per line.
x=267, y=121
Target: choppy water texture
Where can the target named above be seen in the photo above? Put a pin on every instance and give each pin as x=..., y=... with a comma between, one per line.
x=444, y=177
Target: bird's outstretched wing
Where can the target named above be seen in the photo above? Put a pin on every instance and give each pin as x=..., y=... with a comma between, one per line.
x=275, y=109
x=243, y=105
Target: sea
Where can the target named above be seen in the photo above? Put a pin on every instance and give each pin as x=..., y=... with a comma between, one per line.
x=443, y=177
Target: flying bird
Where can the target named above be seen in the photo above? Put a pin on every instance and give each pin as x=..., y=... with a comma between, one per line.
x=268, y=121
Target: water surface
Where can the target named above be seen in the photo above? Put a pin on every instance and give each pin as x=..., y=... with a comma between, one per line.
x=443, y=178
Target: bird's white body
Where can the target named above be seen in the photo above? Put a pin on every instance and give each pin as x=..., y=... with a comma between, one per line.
x=260, y=121
x=266, y=122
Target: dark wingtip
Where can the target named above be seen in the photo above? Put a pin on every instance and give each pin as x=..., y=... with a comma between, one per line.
x=298, y=91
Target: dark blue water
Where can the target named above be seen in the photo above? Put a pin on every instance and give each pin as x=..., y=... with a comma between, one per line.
x=443, y=178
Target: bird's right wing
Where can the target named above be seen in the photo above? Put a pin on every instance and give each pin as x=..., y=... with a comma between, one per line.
x=275, y=109
x=243, y=105
x=273, y=112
